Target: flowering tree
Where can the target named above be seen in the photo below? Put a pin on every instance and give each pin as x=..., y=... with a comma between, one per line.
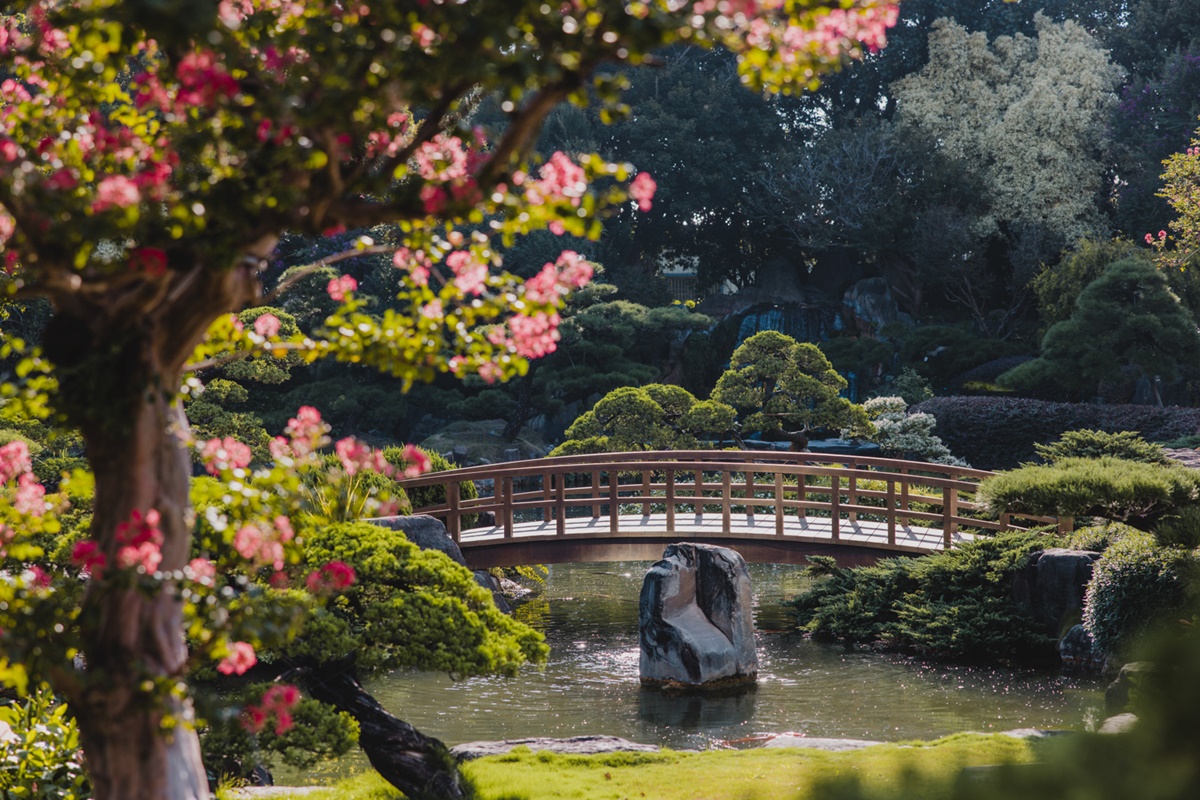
x=152, y=154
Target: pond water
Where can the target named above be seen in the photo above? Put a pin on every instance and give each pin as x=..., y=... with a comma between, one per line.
x=588, y=614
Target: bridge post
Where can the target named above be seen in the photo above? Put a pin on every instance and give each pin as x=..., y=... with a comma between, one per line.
x=852, y=492
x=835, y=506
x=614, y=505
x=725, y=492
x=645, y=493
x=547, y=507
x=1066, y=524
x=453, y=517
x=778, y=503
x=560, y=505
x=671, y=500
x=750, y=494
x=596, y=493
x=801, y=497
x=949, y=512
x=891, y=510
x=506, y=505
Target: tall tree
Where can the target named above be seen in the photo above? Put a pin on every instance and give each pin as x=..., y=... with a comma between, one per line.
x=151, y=155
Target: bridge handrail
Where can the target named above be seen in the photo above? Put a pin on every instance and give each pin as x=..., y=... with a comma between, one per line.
x=554, y=498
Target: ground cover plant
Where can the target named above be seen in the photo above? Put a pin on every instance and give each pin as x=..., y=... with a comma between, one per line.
x=924, y=767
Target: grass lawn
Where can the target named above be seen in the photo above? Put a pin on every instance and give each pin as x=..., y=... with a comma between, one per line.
x=918, y=769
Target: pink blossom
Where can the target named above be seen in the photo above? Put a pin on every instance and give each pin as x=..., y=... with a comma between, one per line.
x=30, y=494
x=115, y=191
x=38, y=578
x=147, y=555
x=14, y=460
x=490, y=372
x=1149, y=238
x=417, y=461
x=432, y=310
x=241, y=658
x=306, y=431
x=338, y=287
x=356, y=456
x=335, y=576
x=557, y=228
x=642, y=190
x=278, y=701
x=149, y=260
x=87, y=556
x=1162, y=235
x=442, y=158
x=222, y=454
x=559, y=179
x=284, y=526
x=469, y=272
x=202, y=570
x=534, y=335
x=267, y=325
x=140, y=541
x=203, y=81
x=9, y=150
x=256, y=546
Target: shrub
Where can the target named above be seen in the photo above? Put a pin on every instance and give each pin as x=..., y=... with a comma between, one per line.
x=1099, y=538
x=1127, y=491
x=1096, y=444
x=1135, y=587
x=956, y=604
x=899, y=433
x=40, y=757
x=1000, y=432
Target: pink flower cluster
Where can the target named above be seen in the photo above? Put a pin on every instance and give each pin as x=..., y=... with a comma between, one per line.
x=416, y=262
x=443, y=158
x=336, y=576
x=202, y=570
x=240, y=659
x=148, y=260
x=340, y=286
x=559, y=180
x=267, y=325
x=416, y=461
x=837, y=32
x=262, y=545
x=116, y=191
x=306, y=434
x=218, y=455
x=470, y=273
x=642, y=190
x=278, y=702
x=356, y=457
x=30, y=497
x=534, y=335
x=87, y=556
x=14, y=460
x=1162, y=236
x=569, y=271
x=140, y=541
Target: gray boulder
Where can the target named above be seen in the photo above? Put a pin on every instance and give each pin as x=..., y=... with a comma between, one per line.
x=1121, y=723
x=818, y=743
x=429, y=533
x=1051, y=587
x=870, y=306
x=697, y=631
x=1118, y=693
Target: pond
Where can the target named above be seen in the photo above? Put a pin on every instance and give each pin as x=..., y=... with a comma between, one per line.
x=588, y=614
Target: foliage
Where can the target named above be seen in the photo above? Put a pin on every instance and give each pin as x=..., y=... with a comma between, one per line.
x=40, y=757
x=952, y=604
x=653, y=417
x=1126, y=445
x=942, y=353
x=1001, y=432
x=1126, y=318
x=1059, y=285
x=910, y=387
x=1181, y=182
x=402, y=605
x=1099, y=538
x=1135, y=588
x=899, y=433
x=1132, y=492
x=777, y=383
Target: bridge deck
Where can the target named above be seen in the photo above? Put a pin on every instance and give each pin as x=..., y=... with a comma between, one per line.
x=643, y=537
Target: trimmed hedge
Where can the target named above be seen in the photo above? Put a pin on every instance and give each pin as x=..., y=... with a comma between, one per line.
x=1000, y=432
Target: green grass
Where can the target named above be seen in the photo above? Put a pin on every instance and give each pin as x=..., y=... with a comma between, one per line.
x=917, y=769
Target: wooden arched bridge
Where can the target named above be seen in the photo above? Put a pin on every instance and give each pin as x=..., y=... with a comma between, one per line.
x=775, y=507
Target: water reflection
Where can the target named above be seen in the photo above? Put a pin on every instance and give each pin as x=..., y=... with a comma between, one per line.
x=590, y=684
x=696, y=713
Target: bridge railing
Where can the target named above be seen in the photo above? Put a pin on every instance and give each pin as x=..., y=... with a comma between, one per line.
x=725, y=482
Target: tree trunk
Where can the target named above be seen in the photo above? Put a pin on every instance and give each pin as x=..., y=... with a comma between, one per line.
x=418, y=765
x=120, y=359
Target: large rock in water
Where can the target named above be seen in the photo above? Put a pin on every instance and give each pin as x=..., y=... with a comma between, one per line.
x=1051, y=587
x=697, y=631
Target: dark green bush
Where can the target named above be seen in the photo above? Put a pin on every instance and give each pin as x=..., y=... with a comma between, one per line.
x=1099, y=538
x=43, y=760
x=953, y=604
x=1000, y=432
x=1133, y=492
x=1095, y=444
x=1135, y=587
